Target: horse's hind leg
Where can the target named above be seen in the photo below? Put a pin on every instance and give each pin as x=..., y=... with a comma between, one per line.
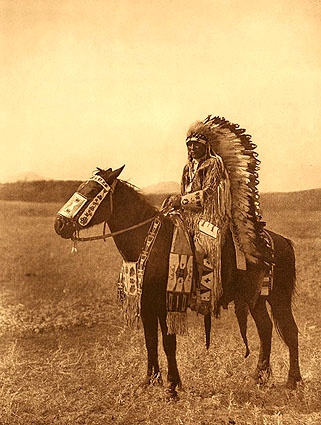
x=264, y=326
x=150, y=323
x=288, y=330
x=169, y=343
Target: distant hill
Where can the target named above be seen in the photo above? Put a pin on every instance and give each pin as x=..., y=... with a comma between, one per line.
x=61, y=190
x=156, y=193
x=27, y=176
x=39, y=191
x=163, y=187
x=305, y=200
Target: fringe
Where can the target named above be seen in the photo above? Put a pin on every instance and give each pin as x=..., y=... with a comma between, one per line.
x=177, y=323
x=213, y=250
x=131, y=311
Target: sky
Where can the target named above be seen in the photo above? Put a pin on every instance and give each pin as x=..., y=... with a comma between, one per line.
x=106, y=83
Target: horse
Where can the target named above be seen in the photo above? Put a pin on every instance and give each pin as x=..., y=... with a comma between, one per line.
x=128, y=214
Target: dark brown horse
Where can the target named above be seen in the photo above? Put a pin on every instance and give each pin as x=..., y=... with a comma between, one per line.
x=108, y=199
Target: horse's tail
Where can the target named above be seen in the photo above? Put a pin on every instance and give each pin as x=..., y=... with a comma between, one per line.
x=207, y=325
x=286, y=277
x=292, y=270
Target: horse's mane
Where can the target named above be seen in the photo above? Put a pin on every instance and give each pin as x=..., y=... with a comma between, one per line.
x=143, y=199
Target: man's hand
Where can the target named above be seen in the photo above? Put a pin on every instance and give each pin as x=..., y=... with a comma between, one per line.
x=173, y=201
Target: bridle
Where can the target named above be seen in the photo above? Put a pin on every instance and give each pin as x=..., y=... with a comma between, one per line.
x=110, y=190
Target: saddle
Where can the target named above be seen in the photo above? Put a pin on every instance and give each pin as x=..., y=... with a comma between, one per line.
x=184, y=287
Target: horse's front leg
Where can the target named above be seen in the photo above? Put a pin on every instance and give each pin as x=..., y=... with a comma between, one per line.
x=264, y=327
x=150, y=323
x=169, y=344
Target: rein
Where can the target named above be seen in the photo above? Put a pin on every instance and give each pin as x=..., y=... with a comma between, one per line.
x=110, y=235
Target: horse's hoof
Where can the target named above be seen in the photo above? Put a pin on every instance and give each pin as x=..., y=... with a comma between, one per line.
x=171, y=396
x=156, y=379
x=292, y=382
x=261, y=377
x=171, y=393
x=153, y=379
x=146, y=381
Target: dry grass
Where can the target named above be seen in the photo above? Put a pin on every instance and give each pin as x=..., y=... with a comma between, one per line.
x=65, y=357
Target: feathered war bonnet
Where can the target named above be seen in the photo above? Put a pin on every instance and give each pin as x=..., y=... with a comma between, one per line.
x=237, y=151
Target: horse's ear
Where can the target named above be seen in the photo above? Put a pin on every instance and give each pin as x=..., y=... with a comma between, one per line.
x=114, y=174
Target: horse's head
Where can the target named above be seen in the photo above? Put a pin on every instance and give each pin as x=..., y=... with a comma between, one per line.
x=84, y=207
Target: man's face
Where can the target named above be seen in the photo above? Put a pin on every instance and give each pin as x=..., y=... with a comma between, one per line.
x=196, y=149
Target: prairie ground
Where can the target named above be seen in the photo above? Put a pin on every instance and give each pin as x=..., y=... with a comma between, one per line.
x=66, y=358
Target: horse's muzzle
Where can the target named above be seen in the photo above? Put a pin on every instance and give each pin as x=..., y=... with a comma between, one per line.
x=63, y=227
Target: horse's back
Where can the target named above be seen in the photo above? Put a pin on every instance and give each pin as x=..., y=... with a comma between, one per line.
x=284, y=256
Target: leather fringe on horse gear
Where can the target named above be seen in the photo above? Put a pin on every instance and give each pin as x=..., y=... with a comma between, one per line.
x=179, y=283
x=128, y=293
x=180, y=279
x=130, y=282
x=237, y=151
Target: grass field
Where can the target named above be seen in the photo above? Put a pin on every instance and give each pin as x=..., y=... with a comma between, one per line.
x=65, y=357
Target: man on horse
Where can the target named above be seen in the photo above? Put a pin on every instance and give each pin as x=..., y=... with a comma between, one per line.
x=205, y=203
x=220, y=204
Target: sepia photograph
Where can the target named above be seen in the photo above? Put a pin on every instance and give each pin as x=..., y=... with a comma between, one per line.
x=160, y=193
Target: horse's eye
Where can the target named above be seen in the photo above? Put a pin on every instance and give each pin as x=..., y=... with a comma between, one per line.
x=87, y=189
x=81, y=187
